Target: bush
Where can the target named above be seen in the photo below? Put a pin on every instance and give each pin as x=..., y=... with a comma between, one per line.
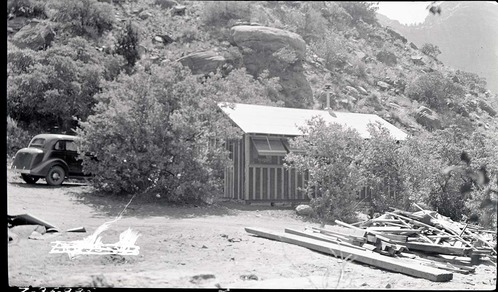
x=84, y=18
x=365, y=11
x=52, y=87
x=331, y=48
x=330, y=157
x=161, y=132
x=220, y=13
x=26, y=8
x=396, y=172
x=430, y=50
x=435, y=90
x=17, y=138
x=127, y=44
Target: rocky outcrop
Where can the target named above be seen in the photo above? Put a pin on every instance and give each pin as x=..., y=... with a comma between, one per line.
x=487, y=108
x=281, y=53
x=417, y=60
x=203, y=62
x=262, y=38
x=37, y=35
x=395, y=35
x=427, y=118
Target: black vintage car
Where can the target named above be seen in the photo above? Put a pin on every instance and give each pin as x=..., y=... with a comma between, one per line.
x=50, y=156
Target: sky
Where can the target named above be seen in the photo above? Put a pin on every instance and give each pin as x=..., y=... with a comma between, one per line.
x=405, y=12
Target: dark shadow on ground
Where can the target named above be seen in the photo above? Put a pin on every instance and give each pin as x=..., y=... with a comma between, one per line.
x=112, y=205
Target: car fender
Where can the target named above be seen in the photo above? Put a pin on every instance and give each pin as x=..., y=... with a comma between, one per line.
x=43, y=168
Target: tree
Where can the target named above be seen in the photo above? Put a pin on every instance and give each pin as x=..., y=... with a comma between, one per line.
x=330, y=156
x=127, y=44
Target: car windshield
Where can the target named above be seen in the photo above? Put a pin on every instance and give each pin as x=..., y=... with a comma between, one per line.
x=37, y=143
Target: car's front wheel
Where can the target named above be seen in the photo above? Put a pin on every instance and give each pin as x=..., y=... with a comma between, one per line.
x=55, y=176
x=29, y=179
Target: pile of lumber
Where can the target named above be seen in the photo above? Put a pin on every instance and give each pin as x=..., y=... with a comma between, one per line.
x=422, y=244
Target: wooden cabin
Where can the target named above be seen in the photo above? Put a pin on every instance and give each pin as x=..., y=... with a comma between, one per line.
x=257, y=173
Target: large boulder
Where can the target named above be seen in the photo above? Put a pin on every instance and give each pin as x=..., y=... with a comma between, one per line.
x=304, y=210
x=428, y=118
x=262, y=38
x=36, y=36
x=203, y=62
x=281, y=53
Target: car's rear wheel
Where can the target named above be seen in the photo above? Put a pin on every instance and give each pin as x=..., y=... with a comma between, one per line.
x=29, y=179
x=55, y=176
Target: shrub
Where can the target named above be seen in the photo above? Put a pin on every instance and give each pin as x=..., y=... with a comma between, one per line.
x=365, y=11
x=51, y=87
x=160, y=131
x=127, y=44
x=27, y=8
x=84, y=18
x=331, y=48
x=435, y=90
x=470, y=80
x=455, y=195
x=17, y=138
x=396, y=172
x=330, y=156
x=220, y=13
x=430, y=50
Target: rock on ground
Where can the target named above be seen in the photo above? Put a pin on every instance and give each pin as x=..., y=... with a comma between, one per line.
x=305, y=210
x=203, y=62
x=35, y=35
x=428, y=118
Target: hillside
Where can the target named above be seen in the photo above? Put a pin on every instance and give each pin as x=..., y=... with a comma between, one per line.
x=466, y=34
x=314, y=49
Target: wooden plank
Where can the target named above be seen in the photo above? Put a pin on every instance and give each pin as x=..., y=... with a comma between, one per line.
x=393, y=229
x=379, y=235
x=275, y=182
x=358, y=235
x=436, y=248
x=246, y=166
x=268, y=184
x=365, y=257
x=321, y=237
x=260, y=183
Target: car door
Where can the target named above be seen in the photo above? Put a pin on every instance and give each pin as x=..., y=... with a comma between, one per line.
x=72, y=160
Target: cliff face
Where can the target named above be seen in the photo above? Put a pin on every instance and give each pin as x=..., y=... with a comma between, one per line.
x=465, y=32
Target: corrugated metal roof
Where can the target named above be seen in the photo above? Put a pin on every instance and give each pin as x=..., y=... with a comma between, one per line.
x=260, y=119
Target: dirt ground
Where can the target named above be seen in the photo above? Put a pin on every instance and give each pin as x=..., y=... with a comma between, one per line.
x=185, y=246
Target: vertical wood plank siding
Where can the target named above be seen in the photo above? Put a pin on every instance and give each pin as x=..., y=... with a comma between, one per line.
x=260, y=182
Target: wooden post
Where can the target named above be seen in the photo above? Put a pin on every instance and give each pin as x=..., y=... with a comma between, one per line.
x=247, y=157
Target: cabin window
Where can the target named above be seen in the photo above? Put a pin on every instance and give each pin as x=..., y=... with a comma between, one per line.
x=269, y=147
